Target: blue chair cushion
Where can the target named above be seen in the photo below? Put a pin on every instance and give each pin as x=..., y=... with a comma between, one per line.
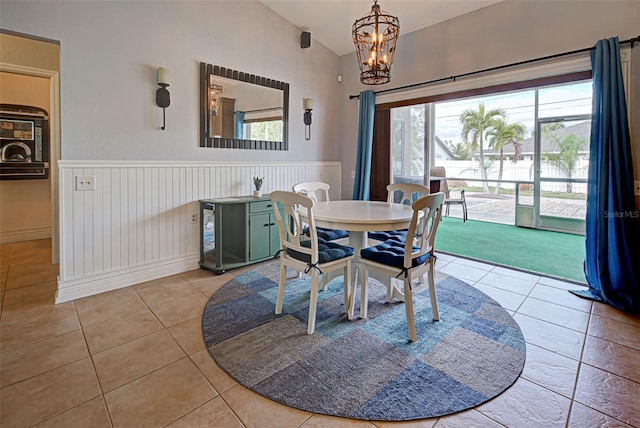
x=396, y=235
x=331, y=234
x=327, y=234
x=391, y=253
x=327, y=251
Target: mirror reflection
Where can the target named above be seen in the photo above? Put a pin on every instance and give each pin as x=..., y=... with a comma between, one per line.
x=245, y=111
x=241, y=110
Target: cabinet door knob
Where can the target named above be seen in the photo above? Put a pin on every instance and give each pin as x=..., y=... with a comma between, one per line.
x=269, y=206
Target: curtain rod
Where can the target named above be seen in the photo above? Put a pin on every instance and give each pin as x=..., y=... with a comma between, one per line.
x=262, y=110
x=499, y=67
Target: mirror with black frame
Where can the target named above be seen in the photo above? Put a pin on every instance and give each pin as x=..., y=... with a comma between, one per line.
x=241, y=110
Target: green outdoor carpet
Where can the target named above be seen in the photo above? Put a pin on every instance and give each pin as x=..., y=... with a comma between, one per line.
x=549, y=253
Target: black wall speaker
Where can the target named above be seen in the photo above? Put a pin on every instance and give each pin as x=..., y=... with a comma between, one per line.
x=305, y=39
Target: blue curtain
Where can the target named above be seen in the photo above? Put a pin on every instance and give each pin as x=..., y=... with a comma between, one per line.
x=239, y=125
x=612, y=264
x=362, y=185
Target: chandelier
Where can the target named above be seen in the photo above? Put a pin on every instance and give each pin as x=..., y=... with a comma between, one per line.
x=215, y=94
x=375, y=36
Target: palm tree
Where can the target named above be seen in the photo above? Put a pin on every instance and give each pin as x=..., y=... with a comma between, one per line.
x=460, y=150
x=475, y=123
x=567, y=158
x=502, y=134
x=548, y=128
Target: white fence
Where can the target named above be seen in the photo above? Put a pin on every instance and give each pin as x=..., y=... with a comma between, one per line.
x=522, y=170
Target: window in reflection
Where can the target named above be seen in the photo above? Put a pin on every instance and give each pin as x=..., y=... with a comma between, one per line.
x=265, y=130
x=251, y=113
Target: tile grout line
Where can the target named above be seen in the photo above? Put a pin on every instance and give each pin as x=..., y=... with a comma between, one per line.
x=65, y=365
x=533, y=381
x=591, y=314
x=575, y=384
x=547, y=320
x=93, y=365
x=103, y=394
x=189, y=356
x=581, y=363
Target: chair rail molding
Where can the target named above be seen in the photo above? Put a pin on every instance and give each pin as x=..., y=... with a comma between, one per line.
x=135, y=225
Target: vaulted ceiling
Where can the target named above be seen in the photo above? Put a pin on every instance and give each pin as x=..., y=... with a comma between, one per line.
x=330, y=21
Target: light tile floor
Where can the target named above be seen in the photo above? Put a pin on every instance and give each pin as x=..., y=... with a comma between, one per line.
x=134, y=357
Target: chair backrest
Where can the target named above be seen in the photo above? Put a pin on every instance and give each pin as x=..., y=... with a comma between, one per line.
x=316, y=190
x=289, y=224
x=405, y=193
x=427, y=212
x=440, y=171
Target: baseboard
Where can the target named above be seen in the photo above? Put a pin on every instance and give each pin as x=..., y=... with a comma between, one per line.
x=94, y=284
x=25, y=235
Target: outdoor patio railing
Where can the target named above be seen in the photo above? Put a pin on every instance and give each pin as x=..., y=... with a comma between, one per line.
x=560, y=208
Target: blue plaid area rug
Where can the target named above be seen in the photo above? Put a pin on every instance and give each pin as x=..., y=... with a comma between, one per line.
x=363, y=369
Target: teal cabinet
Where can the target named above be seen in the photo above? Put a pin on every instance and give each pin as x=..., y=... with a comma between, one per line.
x=236, y=232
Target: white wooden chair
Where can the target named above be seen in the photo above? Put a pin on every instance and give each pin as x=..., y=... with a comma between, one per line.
x=408, y=260
x=319, y=191
x=306, y=254
x=405, y=193
x=400, y=193
x=439, y=171
x=316, y=190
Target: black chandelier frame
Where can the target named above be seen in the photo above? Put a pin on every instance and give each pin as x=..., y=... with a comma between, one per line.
x=375, y=36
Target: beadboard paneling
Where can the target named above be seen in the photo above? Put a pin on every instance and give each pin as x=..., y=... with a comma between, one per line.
x=135, y=225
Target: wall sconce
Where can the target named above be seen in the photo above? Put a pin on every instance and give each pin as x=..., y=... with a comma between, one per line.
x=162, y=94
x=308, y=106
x=215, y=94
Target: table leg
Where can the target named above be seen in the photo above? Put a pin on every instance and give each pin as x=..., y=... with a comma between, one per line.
x=357, y=240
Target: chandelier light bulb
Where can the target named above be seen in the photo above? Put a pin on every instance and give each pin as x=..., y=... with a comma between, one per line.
x=215, y=95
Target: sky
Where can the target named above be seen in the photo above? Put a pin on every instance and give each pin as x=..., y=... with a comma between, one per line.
x=562, y=100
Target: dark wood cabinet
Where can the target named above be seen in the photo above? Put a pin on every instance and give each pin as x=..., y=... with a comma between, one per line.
x=223, y=124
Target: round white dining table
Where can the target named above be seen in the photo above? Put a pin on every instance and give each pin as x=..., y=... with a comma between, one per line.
x=360, y=217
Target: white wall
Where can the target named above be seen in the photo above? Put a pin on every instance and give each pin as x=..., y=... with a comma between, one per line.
x=502, y=33
x=110, y=51
x=109, y=54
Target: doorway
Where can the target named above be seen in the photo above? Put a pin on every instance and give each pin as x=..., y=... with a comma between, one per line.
x=561, y=172
x=32, y=56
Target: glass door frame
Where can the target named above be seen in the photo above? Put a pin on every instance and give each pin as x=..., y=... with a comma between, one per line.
x=548, y=222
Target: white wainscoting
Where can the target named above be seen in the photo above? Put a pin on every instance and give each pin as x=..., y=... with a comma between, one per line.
x=136, y=226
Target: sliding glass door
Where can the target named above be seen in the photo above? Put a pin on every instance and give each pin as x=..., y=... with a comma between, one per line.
x=409, y=159
x=521, y=156
x=562, y=167
x=562, y=134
